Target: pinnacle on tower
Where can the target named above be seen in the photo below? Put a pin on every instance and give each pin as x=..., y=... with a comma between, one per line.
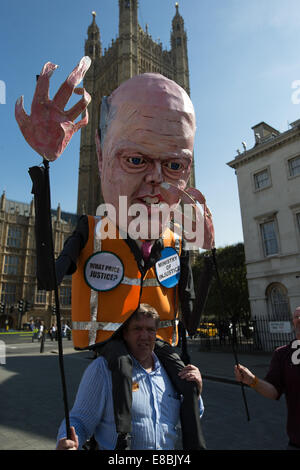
x=177, y=20
x=93, y=43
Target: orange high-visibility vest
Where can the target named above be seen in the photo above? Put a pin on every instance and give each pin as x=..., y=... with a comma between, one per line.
x=96, y=315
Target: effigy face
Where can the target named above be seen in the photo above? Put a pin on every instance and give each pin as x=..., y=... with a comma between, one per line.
x=149, y=142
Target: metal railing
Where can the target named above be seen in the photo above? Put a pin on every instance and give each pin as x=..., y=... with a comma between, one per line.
x=258, y=334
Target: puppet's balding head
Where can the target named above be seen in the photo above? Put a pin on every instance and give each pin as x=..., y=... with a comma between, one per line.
x=147, y=137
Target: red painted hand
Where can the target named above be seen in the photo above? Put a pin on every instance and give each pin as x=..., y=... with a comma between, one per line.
x=49, y=128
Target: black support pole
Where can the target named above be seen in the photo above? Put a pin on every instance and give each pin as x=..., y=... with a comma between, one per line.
x=233, y=347
x=58, y=318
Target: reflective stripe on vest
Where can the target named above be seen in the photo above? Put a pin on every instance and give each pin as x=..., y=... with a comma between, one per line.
x=110, y=326
x=137, y=282
x=94, y=294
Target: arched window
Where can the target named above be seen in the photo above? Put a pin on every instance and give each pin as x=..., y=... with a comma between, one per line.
x=40, y=296
x=65, y=295
x=278, y=302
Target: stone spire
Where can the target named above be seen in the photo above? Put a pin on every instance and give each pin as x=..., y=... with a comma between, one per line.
x=179, y=50
x=93, y=46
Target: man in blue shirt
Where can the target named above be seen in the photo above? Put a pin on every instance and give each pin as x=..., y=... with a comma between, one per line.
x=155, y=403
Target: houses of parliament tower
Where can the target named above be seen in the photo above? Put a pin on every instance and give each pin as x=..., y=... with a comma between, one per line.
x=132, y=53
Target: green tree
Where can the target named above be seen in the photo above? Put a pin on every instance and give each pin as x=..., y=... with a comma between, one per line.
x=231, y=301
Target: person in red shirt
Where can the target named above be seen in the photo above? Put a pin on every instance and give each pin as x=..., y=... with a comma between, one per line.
x=283, y=377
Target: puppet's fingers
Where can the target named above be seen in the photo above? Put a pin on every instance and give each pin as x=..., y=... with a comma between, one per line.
x=65, y=91
x=209, y=233
x=21, y=117
x=176, y=193
x=78, y=90
x=79, y=107
x=83, y=122
x=196, y=228
x=187, y=196
x=189, y=224
x=196, y=194
x=204, y=224
x=42, y=87
x=197, y=225
x=209, y=236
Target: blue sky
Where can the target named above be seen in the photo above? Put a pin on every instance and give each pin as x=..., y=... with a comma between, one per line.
x=243, y=58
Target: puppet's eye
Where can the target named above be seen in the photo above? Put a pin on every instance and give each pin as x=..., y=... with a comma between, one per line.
x=136, y=160
x=174, y=165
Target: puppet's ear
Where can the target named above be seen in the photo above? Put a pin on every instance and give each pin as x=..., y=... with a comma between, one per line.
x=98, y=150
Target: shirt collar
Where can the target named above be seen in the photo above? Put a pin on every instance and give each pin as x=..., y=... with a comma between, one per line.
x=155, y=360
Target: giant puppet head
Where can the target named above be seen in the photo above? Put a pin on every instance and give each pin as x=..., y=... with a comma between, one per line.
x=147, y=129
x=147, y=137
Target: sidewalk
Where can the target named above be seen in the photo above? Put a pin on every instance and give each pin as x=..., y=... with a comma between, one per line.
x=219, y=365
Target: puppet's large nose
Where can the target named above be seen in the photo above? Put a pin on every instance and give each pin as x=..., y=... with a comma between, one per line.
x=154, y=174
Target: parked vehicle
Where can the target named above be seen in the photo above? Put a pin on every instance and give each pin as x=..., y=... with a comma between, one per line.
x=205, y=330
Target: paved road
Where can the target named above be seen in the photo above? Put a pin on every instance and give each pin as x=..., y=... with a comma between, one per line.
x=225, y=423
x=32, y=406
x=15, y=337
x=32, y=348
x=30, y=394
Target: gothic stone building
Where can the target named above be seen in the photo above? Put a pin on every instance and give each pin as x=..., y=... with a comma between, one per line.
x=132, y=53
x=18, y=265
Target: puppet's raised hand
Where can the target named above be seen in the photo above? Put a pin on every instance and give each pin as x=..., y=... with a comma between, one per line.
x=197, y=225
x=49, y=128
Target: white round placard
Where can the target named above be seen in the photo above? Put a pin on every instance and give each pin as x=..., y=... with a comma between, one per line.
x=103, y=271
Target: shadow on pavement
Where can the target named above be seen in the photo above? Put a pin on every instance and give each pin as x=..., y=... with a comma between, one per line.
x=31, y=395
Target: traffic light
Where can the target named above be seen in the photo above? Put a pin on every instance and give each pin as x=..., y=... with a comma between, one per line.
x=27, y=306
x=21, y=305
x=2, y=307
x=53, y=309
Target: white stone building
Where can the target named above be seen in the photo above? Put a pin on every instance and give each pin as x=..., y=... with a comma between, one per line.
x=268, y=177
